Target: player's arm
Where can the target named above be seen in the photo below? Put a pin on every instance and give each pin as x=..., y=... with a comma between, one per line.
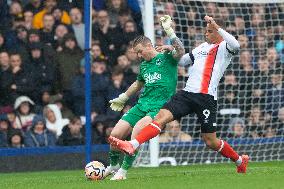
x=232, y=43
x=134, y=88
x=117, y=104
x=186, y=59
x=178, y=51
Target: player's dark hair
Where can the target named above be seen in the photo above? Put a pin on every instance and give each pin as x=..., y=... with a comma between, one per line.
x=141, y=39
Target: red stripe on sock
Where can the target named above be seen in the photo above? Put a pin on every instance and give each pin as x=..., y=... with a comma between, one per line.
x=147, y=133
x=228, y=151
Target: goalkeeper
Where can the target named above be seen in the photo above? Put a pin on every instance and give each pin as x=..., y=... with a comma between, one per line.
x=158, y=76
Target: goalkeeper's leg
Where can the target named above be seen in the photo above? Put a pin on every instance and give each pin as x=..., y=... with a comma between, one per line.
x=121, y=130
x=129, y=159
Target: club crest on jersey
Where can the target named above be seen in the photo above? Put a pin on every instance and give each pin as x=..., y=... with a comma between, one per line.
x=158, y=62
x=152, y=78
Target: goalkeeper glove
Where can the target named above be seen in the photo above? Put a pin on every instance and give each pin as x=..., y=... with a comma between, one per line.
x=166, y=22
x=117, y=104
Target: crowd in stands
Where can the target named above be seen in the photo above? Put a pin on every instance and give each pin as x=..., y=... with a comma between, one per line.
x=42, y=68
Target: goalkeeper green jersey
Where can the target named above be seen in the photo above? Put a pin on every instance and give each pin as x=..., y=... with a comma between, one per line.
x=160, y=79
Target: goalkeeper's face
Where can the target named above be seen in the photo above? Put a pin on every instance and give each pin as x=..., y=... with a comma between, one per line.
x=211, y=35
x=145, y=51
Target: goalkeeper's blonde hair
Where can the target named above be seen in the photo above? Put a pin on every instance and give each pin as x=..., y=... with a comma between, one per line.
x=141, y=39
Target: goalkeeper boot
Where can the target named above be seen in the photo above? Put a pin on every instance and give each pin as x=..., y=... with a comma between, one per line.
x=121, y=145
x=243, y=167
x=119, y=175
x=111, y=169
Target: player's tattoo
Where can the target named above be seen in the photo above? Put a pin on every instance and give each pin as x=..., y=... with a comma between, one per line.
x=179, y=48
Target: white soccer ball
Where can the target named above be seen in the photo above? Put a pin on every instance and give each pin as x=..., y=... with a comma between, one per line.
x=95, y=170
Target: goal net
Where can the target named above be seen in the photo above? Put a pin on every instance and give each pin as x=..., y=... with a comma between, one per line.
x=251, y=93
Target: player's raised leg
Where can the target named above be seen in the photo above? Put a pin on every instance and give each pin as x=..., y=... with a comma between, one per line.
x=150, y=131
x=121, y=130
x=129, y=159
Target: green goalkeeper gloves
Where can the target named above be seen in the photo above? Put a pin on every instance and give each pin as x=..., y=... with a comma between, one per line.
x=117, y=104
x=166, y=22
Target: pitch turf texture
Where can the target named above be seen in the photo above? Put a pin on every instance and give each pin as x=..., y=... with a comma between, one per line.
x=267, y=175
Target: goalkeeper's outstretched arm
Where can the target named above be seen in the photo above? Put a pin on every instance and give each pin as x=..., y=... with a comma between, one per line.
x=117, y=104
x=178, y=51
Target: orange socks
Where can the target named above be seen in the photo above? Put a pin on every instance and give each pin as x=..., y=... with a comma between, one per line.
x=227, y=151
x=148, y=132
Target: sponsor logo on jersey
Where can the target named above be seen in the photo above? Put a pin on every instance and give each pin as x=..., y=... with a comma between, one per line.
x=152, y=78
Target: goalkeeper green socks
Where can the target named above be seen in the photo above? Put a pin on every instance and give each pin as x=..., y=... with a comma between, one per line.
x=128, y=161
x=114, y=157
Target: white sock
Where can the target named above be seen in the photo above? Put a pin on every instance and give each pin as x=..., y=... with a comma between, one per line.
x=239, y=161
x=123, y=171
x=113, y=166
x=135, y=143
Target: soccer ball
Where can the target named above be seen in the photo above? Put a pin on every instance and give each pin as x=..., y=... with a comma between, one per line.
x=95, y=170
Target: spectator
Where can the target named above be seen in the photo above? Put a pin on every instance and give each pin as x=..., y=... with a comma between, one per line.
x=173, y=133
x=99, y=85
x=236, y=128
x=123, y=17
x=243, y=41
x=275, y=94
x=244, y=74
x=45, y=72
x=269, y=132
x=16, y=139
x=60, y=31
x=48, y=7
x=4, y=16
x=129, y=32
x=57, y=13
x=48, y=53
x=65, y=111
x=16, y=9
x=273, y=59
x=133, y=58
x=117, y=85
x=5, y=73
x=96, y=52
x=5, y=129
x=54, y=120
x=98, y=130
x=24, y=112
x=279, y=126
x=125, y=66
x=47, y=31
x=256, y=122
x=34, y=5
x=240, y=25
x=21, y=81
x=68, y=62
x=21, y=43
x=43, y=100
x=109, y=38
x=72, y=134
x=78, y=26
x=28, y=18
x=39, y=135
x=2, y=42
x=114, y=7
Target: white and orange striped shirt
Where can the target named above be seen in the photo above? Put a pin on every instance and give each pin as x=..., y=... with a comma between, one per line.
x=208, y=64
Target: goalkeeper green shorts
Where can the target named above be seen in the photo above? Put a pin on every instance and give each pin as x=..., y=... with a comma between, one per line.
x=135, y=114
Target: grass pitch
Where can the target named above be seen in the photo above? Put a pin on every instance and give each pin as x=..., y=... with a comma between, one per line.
x=269, y=175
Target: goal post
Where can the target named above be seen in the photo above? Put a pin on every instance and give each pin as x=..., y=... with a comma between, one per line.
x=250, y=113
